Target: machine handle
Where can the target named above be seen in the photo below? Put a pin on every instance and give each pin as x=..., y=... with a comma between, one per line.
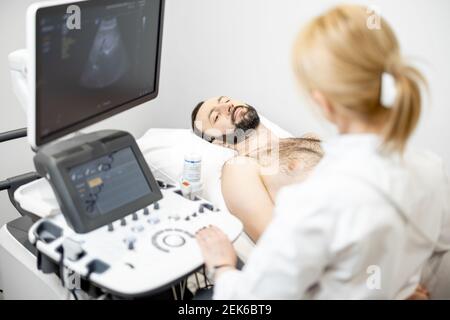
x=17, y=181
x=12, y=184
x=13, y=134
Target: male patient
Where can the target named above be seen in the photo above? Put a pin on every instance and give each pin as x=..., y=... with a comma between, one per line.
x=264, y=163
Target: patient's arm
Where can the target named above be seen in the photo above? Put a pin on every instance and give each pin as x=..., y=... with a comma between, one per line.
x=311, y=135
x=246, y=196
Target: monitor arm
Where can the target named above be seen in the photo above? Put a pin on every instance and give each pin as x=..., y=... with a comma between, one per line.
x=18, y=65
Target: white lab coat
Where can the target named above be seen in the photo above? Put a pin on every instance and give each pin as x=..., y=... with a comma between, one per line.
x=334, y=237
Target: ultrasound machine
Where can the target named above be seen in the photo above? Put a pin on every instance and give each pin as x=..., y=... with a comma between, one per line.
x=95, y=222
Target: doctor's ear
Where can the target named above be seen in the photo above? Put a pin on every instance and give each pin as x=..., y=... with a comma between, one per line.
x=324, y=104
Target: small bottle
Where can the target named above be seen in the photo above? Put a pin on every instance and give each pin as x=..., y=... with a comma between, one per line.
x=192, y=167
x=190, y=183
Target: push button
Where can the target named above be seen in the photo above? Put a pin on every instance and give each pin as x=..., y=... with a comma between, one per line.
x=208, y=206
x=153, y=220
x=137, y=229
x=130, y=242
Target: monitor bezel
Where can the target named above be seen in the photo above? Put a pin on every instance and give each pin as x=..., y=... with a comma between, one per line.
x=34, y=137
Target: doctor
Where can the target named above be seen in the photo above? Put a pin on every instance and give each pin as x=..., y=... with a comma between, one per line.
x=373, y=212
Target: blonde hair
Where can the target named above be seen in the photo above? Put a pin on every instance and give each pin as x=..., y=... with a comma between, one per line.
x=338, y=55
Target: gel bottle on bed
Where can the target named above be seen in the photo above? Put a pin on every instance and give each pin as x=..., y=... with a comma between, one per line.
x=191, y=184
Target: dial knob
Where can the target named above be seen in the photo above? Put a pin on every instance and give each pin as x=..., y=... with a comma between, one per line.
x=174, y=240
x=130, y=242
x=153, y=220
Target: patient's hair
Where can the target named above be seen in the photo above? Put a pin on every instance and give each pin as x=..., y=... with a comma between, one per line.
x=307, y=151
x=194, y=114
x=341, y=57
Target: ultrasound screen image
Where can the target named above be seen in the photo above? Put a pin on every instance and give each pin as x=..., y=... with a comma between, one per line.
x=109, y=62
x=109, y=182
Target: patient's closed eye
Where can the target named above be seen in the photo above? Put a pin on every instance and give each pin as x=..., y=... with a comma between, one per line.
x=223, y=98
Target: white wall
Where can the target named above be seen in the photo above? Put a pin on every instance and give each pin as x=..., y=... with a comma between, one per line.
x=242, y=48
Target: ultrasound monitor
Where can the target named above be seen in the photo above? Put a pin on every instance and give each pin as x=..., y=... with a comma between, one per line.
x=78, y=77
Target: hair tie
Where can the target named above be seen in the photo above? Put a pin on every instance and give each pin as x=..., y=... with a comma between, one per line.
x=388, y=90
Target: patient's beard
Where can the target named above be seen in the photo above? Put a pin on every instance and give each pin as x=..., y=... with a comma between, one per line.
x=249, y=121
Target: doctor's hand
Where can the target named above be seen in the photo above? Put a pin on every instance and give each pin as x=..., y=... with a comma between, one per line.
x=216, y=248
x=421, y=293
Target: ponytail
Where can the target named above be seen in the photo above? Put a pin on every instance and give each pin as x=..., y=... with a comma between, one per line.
x=337, y=55
x=404, y=115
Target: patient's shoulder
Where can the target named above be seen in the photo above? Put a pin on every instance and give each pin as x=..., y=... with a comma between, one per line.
x=241, y=164
x=311, y=135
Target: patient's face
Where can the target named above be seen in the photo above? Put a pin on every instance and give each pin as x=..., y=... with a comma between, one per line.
x=224, y=115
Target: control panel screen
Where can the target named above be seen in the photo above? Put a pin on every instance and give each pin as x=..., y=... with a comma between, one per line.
x=109, y=182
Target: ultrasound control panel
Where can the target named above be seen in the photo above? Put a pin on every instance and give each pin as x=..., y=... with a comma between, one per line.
x=118, y=227
x=140, y=253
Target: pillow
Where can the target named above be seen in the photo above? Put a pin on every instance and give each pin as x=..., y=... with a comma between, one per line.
x=276, y=129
